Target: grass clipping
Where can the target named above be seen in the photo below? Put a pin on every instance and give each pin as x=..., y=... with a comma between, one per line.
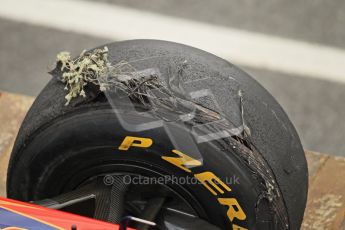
x=89, y=67
x=93, y=67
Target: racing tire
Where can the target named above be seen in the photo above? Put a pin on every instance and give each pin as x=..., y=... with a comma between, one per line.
x=58, y=147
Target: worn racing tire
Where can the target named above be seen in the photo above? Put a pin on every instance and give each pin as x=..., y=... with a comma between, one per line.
x=59, y=147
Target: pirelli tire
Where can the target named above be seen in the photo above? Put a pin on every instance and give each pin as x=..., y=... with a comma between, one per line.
x=58, y=147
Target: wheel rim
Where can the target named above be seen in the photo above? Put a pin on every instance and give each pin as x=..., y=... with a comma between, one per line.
x=175, y=203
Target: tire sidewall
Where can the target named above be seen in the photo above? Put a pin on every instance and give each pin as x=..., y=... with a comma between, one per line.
x=84, y=144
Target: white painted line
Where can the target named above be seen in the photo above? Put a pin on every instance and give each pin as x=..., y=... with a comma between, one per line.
x=240, y=47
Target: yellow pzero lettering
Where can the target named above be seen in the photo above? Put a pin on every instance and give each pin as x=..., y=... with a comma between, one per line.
x=140, y=142
x=210, y=178
x=236, y=227
x=183, y=161
x=232, y=211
